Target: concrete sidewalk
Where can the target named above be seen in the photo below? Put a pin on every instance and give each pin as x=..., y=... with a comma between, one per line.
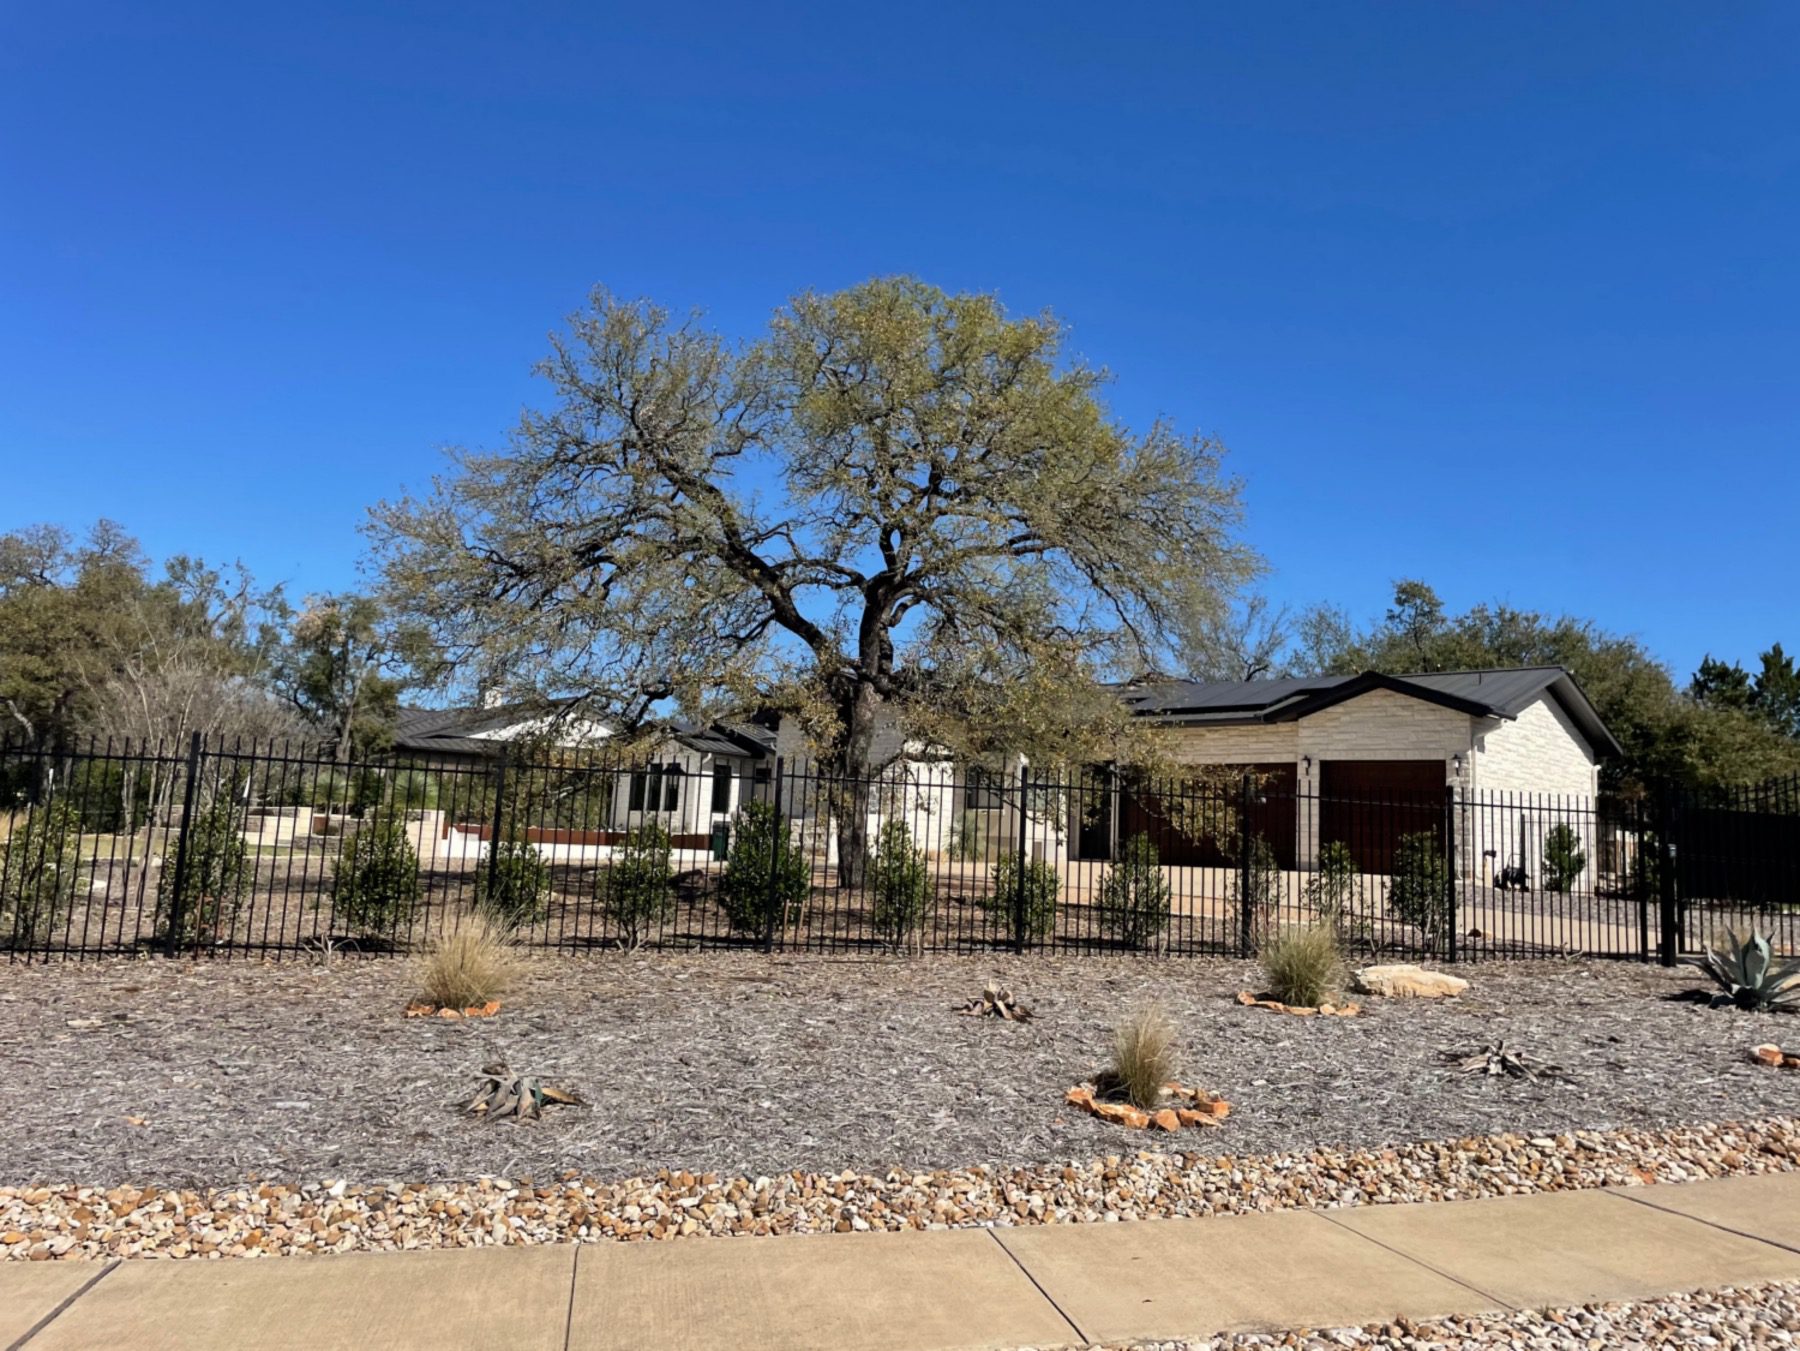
x=1041, y=1286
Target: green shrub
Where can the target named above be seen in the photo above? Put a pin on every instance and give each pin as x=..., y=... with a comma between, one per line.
x=1564, y=859
x=638, y=885
x=108, y=801
x=1133, y=904
x=376, y=882
x=1028, y=895
x=1334, y=894
x=1331, y=891
x=1419, y=890
x=1257, y=891
x=899, y=884
x=1302, y=966
x=414, y=789
x=1646, y=868
x=39, y=871
x=215, y=871
x=513, y=883
x=765, y=875
x=969, y=836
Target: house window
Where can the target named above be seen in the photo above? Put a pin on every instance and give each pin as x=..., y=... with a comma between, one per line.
x=981, y=790
x=655, y=788
x=721, y=794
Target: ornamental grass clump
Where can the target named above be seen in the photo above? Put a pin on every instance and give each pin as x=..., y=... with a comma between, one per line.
x=1302, y=966
x=1143, y=1058
x=473, y=965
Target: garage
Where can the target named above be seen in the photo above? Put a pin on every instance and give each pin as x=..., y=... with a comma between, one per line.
x=1368, y=805
x=1272, y=817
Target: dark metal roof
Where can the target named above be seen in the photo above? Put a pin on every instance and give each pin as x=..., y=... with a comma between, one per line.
x=1500, y=693
x=1217, y=696
x=460, y=731
x=726, y=738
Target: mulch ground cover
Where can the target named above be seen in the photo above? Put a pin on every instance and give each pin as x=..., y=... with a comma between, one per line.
x=196, y=1073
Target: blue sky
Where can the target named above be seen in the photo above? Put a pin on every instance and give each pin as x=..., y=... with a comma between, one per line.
x=1503, y=296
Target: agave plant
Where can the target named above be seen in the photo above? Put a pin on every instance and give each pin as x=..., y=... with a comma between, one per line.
x=1749, y=974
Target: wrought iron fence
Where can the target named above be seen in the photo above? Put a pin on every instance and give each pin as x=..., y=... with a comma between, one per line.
x=277, y=850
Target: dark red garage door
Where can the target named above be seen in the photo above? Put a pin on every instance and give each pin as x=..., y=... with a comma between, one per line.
x=1369, y=804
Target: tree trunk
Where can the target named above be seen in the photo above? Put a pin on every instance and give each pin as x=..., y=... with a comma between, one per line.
x=851, y=800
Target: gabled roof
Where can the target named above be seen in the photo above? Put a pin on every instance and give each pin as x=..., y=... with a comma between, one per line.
x=1500, y=693
x=464, y=731
x=725, y=738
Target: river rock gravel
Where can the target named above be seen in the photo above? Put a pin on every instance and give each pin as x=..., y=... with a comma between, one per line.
x=1729, y=1318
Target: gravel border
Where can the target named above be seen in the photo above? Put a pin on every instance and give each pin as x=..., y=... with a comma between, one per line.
x=269, y=1219
x=190, y=1075
x=1730, y=1316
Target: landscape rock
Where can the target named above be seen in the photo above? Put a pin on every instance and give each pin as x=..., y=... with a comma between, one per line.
x=72, y=1221
x=1405, y=980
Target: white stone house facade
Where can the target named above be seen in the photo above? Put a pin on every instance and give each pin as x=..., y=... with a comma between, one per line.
x=1361, y=759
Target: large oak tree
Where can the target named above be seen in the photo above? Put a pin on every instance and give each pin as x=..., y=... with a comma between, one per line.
x=896, y=503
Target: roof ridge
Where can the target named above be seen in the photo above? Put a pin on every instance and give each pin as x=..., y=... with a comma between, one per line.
x=1484, y=670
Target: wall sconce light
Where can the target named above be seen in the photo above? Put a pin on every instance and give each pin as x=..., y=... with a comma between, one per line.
x=1306, y=760
x=1456, y=762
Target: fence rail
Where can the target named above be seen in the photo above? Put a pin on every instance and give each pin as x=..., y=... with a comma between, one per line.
x=276, y=850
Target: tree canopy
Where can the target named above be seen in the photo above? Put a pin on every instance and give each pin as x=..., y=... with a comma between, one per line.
x=1771, y=695
x=91, y=643
x=891, y=502
x=341, y=672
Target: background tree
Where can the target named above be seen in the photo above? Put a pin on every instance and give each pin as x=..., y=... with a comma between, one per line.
x=338, y=668
x=1771, y=695
x=1251, y=641
x=893, y=500
x=57, y=599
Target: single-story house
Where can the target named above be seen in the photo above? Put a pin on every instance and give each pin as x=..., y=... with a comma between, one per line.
x=1361, y=759
x=695, y=778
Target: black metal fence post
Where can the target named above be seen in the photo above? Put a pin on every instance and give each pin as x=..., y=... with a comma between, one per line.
x=495, y=827
x=177, y=893
x=1246, y=846
x=1450, y=917
x=1019, y=935
x=773, y=902
x=1665, y=874
x=1640, y=879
